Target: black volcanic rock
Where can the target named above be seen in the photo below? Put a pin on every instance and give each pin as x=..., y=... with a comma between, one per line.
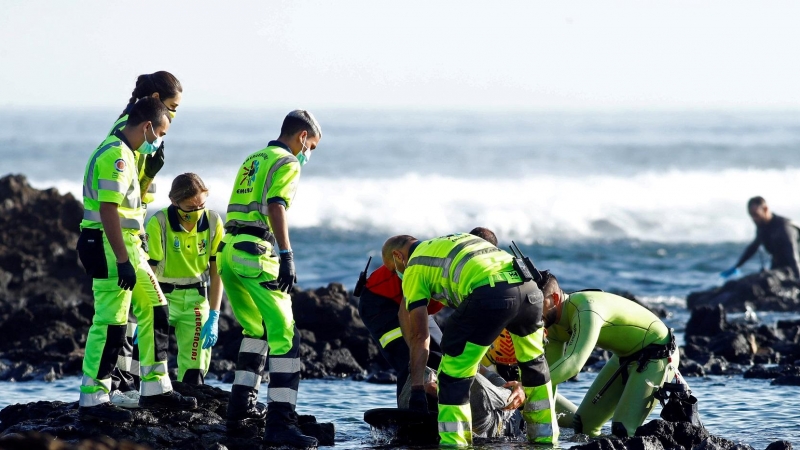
x=203, y=428
x=706, y=320
x=768, y=290
x=46, y=300
x=720, y=347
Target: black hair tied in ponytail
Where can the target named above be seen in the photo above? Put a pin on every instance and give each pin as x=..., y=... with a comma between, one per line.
x=162, y=82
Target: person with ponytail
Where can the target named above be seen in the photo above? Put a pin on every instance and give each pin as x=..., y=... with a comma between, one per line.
x=166, y=88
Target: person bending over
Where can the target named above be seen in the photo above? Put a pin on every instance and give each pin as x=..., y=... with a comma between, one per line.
x=479, y=281
x=644, y=354
x=378, y=307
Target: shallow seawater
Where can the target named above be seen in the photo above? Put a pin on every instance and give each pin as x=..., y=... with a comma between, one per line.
x=746, y=411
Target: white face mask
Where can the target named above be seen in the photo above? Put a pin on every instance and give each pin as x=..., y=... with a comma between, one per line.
x=399, y=274
x=305, y=155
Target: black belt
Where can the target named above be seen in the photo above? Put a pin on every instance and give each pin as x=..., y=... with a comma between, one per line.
x=643, y=356
x=261, y=233
x=169, y=287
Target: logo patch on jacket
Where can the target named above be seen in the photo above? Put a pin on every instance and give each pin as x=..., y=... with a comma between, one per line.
x=201, y=246
x=176, y=243
x=120, y=165
x=249, y=173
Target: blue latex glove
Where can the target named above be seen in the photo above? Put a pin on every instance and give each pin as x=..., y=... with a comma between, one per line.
x=210, y=331
x=732, y=272
x=136, y=336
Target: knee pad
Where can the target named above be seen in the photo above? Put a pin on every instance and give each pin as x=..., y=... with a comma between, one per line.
x=454, y=391
x=534, y=372
x=618, y=429
x=577, y=424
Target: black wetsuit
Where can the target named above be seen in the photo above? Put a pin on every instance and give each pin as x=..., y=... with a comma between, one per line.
x=780, y=238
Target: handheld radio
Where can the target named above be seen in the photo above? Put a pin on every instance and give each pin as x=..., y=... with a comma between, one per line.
x=362, y=280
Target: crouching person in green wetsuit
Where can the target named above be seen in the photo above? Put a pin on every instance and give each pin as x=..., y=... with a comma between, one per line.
x=644, y=355
x=183, y=251
x=479, y=281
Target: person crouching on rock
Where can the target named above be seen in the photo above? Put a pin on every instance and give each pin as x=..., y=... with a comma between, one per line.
x=379, y=308
x=644, y=354
x=110, y=249
x=779, y=236
x=183, y=240
x=480, y=282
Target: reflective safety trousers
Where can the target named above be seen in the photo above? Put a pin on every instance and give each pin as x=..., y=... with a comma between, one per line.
x=109, y=324
x=472, y=328
x=188, y=312
x=248, y=267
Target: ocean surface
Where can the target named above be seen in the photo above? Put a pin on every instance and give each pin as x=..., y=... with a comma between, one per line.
x=649, y=202
x=745, y=411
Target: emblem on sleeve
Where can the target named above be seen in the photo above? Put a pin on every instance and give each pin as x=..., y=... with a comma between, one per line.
x=120, y=165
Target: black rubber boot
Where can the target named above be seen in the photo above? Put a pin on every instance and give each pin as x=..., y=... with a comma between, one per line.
x=168, y=400
x=277, y=435
x=243, y=409
x=106, y=412
x=282, y=428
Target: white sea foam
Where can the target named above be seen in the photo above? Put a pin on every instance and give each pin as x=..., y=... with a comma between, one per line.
x=665, y=207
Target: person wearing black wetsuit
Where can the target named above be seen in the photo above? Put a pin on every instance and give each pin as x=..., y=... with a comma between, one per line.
x=777, y=234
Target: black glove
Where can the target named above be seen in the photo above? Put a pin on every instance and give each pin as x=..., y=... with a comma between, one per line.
x=418, y=400
x=153, y=163
x=126, y=275
x=287, y=277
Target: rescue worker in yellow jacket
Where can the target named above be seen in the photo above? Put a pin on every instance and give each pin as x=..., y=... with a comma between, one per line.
x=110, y=250
x=183, y=240
x=166, y=88
x=256, y=265
x=489, y=294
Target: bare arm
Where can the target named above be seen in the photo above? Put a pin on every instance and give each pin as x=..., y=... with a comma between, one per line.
x=280, y=227
x=215, y=294
x=109, y=217
x=405, y=317
x=419, y=343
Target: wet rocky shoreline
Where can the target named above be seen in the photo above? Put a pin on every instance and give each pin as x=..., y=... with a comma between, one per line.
x=46, y=302
x=46, y=309
x=202, y=428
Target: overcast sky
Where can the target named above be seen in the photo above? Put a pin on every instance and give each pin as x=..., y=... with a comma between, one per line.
x=409, y=54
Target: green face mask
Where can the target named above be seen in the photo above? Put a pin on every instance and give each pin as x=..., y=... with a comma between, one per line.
x=190, y=216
